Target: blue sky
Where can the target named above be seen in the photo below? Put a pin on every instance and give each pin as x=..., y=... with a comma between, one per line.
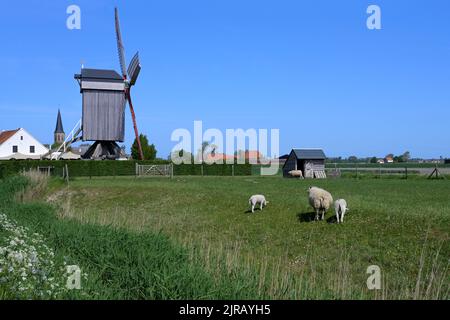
x=309, y=68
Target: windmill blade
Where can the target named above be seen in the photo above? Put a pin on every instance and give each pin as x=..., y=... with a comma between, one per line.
x=134, y=68
x=120, y=48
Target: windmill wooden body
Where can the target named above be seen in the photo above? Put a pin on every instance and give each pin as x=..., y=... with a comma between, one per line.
x=105, y=94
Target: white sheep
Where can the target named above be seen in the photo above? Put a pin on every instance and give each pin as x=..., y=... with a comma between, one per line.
x=296, y=174
x=340, y=207
x=257, y=199
x=321, y=200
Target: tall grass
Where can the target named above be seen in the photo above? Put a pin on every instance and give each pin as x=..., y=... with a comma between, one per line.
x=268, y=280
x=36, y=186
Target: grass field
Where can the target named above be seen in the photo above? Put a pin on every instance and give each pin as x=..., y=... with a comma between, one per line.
x=401, y=226
x=193, y=237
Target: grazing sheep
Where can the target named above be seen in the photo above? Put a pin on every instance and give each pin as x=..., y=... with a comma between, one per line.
x=340, y=206
x=257, y=199
x=296, y=173
x=321, y=200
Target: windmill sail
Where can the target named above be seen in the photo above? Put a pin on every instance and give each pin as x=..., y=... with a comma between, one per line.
x=120, y=48
x=134, y=68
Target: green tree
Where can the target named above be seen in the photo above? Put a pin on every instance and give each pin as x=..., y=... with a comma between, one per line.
x=149, y=151
x=209, y=147
x=205, y=145
x=373, y=160
x=182, y=154
x=406, y=156
x=55, y=146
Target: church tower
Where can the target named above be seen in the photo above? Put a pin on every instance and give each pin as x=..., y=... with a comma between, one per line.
x=60, y=136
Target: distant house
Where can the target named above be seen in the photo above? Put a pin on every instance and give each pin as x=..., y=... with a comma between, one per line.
x=388, y=159
x=310, y=161
x=281, y=160
x=252, y=156
x=217, y=157
x=380, y=161
x=81, y=149
x=19, y=144
x=69, y=155
x=248, y=156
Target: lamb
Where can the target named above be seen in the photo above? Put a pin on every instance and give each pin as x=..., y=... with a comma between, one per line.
x=296, y=173
x=321, y=200
x=257, y=199
x=340, y=207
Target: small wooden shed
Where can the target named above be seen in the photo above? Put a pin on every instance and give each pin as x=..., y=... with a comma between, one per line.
x=310, y=161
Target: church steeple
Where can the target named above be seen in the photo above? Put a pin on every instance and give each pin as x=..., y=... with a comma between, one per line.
x=59, y=130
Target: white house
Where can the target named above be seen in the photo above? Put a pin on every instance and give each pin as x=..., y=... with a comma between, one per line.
x=19, y=144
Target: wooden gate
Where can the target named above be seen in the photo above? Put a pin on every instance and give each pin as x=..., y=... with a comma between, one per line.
x=154, y=170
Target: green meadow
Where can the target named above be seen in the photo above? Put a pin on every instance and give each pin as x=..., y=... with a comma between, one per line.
x=194, y=237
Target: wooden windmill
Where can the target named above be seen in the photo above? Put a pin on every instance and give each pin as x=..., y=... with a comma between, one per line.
x=105, y=94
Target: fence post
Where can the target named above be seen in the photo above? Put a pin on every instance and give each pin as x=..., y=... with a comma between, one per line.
x=171, y=171
x=135, y=170
x=356, y=170
x=202, y=169
x=67, y=173
x=232, y=170
x=406, y=172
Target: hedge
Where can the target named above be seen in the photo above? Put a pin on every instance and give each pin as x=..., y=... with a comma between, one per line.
x=212, y=170
x=80, y=168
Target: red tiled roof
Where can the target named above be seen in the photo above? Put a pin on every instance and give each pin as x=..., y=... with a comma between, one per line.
x=5, y=135
x=252, y=155
x=218, y=156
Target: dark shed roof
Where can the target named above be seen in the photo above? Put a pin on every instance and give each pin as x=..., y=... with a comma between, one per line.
x=59, y=126
x=309, y=154
x=100, y=74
